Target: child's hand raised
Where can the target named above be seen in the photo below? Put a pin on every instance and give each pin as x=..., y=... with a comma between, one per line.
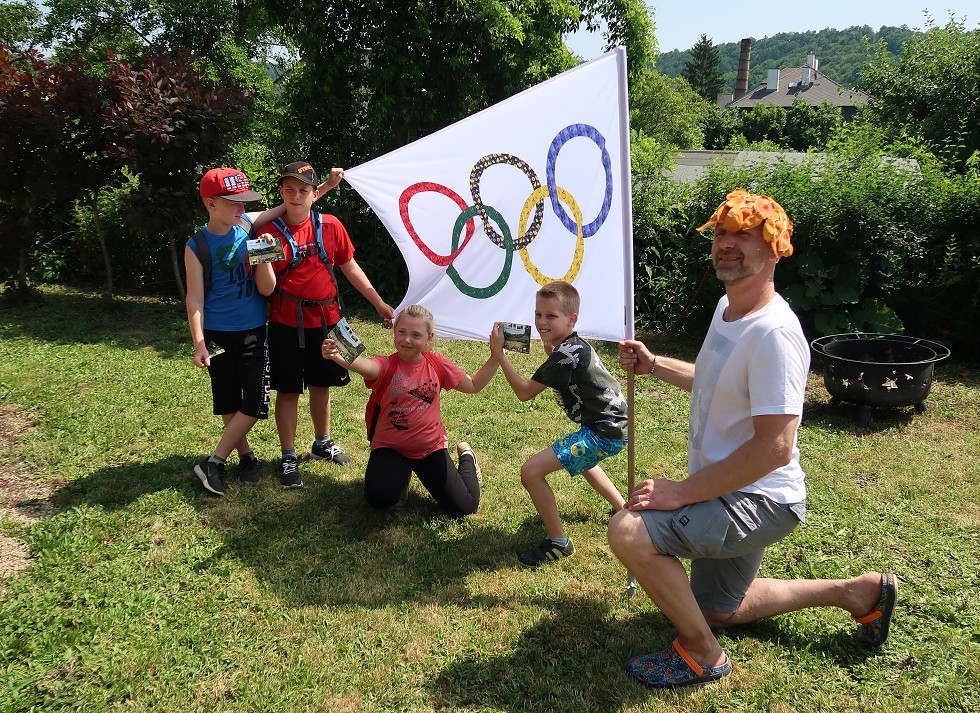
x=329, y=350
x=497, y=340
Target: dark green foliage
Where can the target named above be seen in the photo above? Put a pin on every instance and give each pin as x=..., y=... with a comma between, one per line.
x=880, y=244
x=701, y=70
x=802, y=127
x=673, y=291
x=842, y=53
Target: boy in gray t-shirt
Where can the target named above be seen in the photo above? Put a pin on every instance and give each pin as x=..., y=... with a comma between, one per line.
x=588, y=393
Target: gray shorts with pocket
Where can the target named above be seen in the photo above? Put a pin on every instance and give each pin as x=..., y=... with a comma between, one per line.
x=725, y=539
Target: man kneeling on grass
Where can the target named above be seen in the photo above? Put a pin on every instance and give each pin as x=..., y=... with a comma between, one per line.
x=745, y=488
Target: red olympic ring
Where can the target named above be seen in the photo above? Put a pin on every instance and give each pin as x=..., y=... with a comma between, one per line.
x=423, y=187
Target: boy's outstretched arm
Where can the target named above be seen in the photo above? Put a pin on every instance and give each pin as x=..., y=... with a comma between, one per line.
x=524, y=389
x=355, y=275
x=263, y=218
x=480, y=378
x=365, y=367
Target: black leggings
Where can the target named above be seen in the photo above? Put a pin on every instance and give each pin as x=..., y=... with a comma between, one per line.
x=388, y=471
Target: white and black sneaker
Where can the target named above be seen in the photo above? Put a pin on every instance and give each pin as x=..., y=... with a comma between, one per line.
x=329, y=451
x=289, y=476
x=211, y=475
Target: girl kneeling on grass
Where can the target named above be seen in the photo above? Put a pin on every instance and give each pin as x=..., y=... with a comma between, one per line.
x=405, y=424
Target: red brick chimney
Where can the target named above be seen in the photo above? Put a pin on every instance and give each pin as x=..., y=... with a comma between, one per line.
x=744, y=62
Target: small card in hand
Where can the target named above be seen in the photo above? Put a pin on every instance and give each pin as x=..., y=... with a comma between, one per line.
x=348, y=343
x=214, y=350
x=260, y=251
x=517, y=337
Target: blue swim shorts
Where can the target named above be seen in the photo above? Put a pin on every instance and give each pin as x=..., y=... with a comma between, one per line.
x=584, y=449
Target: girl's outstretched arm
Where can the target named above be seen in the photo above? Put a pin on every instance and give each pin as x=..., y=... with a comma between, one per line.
x=478, y=379
x=365, y=367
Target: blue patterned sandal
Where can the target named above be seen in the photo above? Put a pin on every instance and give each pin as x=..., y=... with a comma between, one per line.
x=874, y=625
x=674, y=668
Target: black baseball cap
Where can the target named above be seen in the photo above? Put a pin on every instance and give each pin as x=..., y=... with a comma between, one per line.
x=301, y=170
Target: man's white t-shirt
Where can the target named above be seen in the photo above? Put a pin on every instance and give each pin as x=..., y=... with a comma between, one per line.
x=754, y=366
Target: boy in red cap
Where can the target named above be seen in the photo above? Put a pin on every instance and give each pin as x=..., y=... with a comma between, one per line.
x=304, y=307
x=226, y=314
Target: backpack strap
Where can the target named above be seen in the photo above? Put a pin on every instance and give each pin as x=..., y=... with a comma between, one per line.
x=203, y=252
x=373, y=409
x=297, y=258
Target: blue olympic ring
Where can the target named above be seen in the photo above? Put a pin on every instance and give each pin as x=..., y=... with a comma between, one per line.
x=588, y=132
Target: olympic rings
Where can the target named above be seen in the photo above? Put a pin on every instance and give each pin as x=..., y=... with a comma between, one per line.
x=576, y=265
x=504, y=240
x=477, y=173
x=482, y=293
x=403, y=200
x=589, y=132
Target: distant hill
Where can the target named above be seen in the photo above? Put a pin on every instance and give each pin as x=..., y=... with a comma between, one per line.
x=842, y=53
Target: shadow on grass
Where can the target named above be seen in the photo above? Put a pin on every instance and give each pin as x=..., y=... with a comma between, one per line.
x=321, y=545
x=574, y=659
x=127, y=323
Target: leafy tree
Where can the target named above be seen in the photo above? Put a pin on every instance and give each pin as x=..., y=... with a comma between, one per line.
x=667, y=110
x=701, y=70
x=932, y=92
x=170, y=122
x=721, y=127
x=810, y=127
x=765, y=122
x=233, y=37
x=18, y=23
x=378, y=76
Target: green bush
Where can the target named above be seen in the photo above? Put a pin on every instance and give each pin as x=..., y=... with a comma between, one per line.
x=881, y=245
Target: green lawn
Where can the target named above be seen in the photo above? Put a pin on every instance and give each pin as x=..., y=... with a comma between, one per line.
x=145, y=594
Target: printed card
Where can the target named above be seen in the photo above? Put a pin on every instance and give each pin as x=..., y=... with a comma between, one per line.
x=348, y=343
x=260, y=251
x=517, y=337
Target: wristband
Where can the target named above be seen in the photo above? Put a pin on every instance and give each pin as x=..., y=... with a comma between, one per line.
x=653, y=367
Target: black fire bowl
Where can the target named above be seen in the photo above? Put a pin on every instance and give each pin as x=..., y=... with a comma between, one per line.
x=878, y=370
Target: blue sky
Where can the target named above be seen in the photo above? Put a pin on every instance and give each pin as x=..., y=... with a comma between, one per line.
x=680, y=24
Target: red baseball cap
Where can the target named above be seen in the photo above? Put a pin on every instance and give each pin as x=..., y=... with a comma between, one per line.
x=229, y=183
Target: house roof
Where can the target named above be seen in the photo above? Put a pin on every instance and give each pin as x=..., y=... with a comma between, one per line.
x=821, y=89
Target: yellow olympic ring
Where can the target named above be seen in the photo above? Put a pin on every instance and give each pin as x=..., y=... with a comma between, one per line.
x=567, y=199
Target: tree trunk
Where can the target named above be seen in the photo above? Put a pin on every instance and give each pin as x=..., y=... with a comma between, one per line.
x=176, y=266
x=107, y=295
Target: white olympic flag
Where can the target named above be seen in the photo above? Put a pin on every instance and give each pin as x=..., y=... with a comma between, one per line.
x=533, y=189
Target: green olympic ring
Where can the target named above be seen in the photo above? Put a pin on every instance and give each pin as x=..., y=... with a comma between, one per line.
x=482, y=293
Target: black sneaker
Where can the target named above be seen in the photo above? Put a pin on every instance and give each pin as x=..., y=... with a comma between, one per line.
x=329, y=451
x=211, y=474
x=546, y=551
x=248, y=469
x=289, y=476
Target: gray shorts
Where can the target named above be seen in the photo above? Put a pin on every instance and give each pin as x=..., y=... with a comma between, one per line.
x=725, y=539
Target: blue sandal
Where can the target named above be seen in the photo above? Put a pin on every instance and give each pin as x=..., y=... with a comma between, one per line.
x=674, y=668
x=874, y=625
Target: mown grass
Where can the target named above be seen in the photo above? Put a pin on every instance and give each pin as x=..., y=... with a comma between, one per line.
x=146, y=594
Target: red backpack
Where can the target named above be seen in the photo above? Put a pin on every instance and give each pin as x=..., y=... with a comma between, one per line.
x=372, y=411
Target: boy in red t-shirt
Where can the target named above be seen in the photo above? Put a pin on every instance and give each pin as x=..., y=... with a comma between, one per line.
x=303, y=308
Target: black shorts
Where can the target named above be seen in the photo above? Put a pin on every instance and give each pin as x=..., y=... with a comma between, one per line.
x=240, y=376
x=293, y=369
